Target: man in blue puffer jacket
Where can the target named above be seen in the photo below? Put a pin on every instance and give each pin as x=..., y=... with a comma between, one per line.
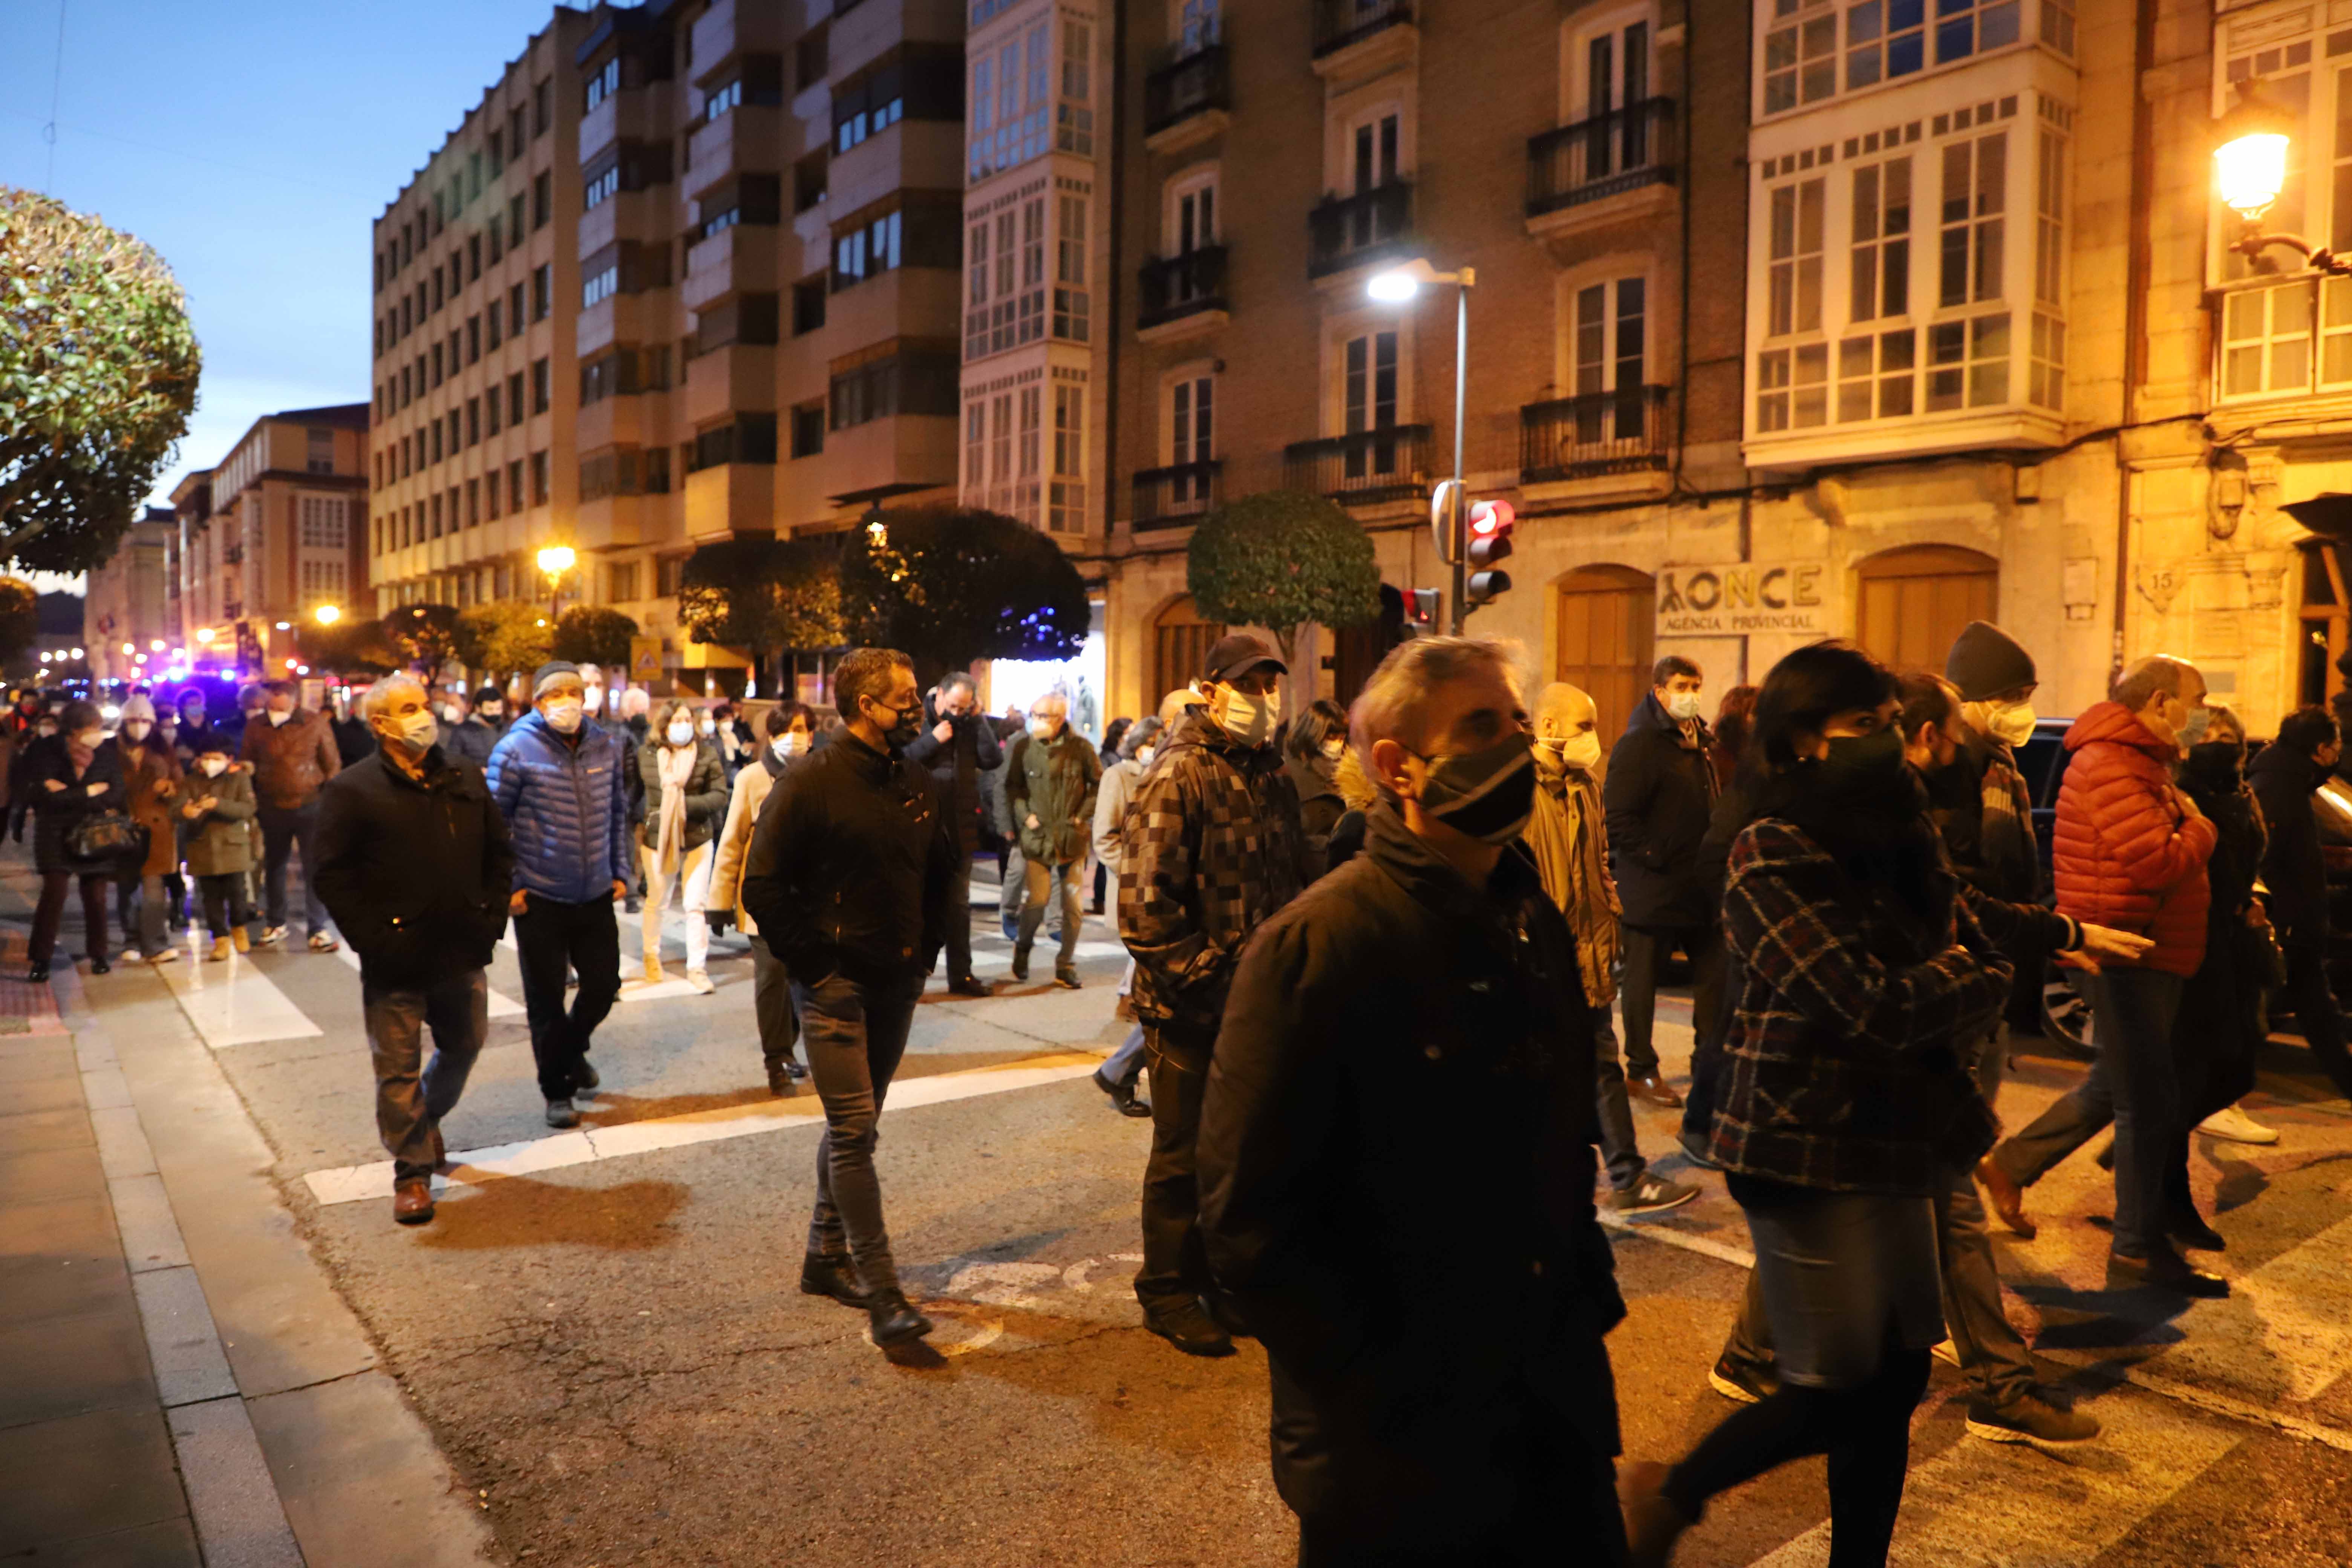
x=556, y=776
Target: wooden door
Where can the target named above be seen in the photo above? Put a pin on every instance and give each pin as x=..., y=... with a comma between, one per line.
x=1608, y=615
x=1915, y=602
x=1180, y=644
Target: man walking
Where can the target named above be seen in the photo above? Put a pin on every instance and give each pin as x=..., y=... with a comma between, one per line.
x=556, y=777
x=1212, y=848
x=2131, y=853
x=1396, y=1162
x=1659, y=792
x=1570, y=849
x=849, y=876
x=415, y=861
x=293, y=755
x=1051, y=776
x=2294, y=869
x=958, y=748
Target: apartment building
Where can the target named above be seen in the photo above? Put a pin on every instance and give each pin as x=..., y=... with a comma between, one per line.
x=128, y=602
x=273, y=530
x=472, y=464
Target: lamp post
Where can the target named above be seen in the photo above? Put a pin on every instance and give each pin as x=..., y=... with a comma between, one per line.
x=555, y=560
x=327, y=615
x=1397, y=286
x=2250, y=150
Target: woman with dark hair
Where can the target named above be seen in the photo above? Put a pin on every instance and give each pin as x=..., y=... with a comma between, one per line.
x=1733, y=719
x=686, y=799
x=1845, y=1099
x=1310, y=755
x=67, y=777
x=788, y=727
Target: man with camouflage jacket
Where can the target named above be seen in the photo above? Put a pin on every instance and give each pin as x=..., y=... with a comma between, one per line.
x=1212, y=848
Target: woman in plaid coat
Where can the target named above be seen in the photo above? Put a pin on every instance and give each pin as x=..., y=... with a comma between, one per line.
x=1846, y=1100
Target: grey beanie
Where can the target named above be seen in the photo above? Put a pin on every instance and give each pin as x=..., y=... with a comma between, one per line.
x=549, y=672
x=1986, y=662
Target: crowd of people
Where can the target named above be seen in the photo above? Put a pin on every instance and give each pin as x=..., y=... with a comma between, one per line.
x=1377, y=956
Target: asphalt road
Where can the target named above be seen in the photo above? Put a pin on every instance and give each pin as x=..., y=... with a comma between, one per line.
x=612, y=1349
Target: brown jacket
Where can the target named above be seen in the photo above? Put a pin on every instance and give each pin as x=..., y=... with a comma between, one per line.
x=291, y=762
x=150, y=774
x=1572, y=849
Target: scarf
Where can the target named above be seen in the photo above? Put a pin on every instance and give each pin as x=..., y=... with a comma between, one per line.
x=1571, y=857
x=677, y=768
x=2006, y=839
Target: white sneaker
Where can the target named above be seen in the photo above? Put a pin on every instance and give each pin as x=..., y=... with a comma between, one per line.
x=2237, y=1127
x=700, y=980
x=166, y=955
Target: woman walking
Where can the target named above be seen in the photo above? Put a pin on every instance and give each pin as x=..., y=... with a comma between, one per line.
x=790, y=727
x=69, y=776
x=151, y=775
x=686, y=799
x=1846, y=1098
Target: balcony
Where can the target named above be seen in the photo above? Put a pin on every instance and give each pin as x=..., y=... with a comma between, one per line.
x=1348, y=232
x=1174, y=497
x=1185, y=100
x=1389, y=463
x=1593, y=435
x=1356, y=38
x=1613, y=166
x=1182, y=295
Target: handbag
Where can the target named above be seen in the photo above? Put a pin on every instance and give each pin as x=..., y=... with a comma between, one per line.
x=106, y=836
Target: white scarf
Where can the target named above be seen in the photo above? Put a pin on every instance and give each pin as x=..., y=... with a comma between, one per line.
x=677, y=768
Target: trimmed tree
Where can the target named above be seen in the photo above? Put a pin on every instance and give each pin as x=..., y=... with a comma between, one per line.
x=98, y=377
x=593, y=634
x=764, y=595
x=947, y=585
x=426, y=634
x=1280, y=559
x=504, y=638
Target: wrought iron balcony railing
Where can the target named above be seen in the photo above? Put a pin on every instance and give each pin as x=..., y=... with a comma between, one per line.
x=1384, y=463
x=1606, y=155
x=1172, y=497
x=1179, y=286
x=1347, y=231
x=1184, y=86
x=1339, y=23
x=1615, y=432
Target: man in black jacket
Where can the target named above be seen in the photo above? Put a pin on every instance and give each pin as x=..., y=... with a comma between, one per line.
x=414, y=864
x=1657, y=797
x=2296, y=871
x=958, y=746
x=1396, y=1164
x=849, y=877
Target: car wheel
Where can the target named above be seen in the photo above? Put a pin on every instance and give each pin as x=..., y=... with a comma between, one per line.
x=2066, y=1015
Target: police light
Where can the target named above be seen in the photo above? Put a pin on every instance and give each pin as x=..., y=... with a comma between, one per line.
x=1490, y=524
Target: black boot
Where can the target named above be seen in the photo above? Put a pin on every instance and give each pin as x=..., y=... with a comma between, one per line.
x=832, y=1274
x=2188, y=1229
x=1123, y=1095
x=894, y=1320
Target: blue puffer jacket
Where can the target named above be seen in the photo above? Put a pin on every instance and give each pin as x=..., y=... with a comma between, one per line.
x=565, y=807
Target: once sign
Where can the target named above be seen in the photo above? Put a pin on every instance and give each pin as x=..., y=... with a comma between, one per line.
x=1744, y=597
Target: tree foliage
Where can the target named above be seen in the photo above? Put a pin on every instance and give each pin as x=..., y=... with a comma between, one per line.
x=763, y=595
x=592, y=633
x=1282, y=558
x=98, y=377
x=20, y=618
x=426, y=634
x=947, y=585
x=503, y=637
x=350, y=648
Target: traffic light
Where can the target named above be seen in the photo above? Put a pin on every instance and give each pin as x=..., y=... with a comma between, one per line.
x=1490, y=539
x=1423, y=611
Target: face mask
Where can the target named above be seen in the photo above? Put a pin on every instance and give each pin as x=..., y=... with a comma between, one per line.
x=707, y=726
x=1488, y=794
x=1247, y=719
x=595, y=701
x=905, y=721
x=492, y=710
x=417, y=732
x=214, y=766
x=89, y=738
x=1864, y=763
x=1045, y=728
x=1143, y=755
x=2011, y=723
x=278, y=718
x=2193, y=731
x=137, y=729
x=450, y=715
x=1334, y=746
x=1682, y=707
x=680, y=733
x=192, y=716
x=46, y=728
x=564, y=715
x=2216, y=759
x=1581, y=752
x=788, y=745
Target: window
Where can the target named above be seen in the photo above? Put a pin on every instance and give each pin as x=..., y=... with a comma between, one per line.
x=808, y=429
x=1191, y=435
x=473, y=502
x=1196, y=27
x=436, y=362
x=514, y=486
x=473, y=421
x=473, y=258
x=2058, y=25
x=541, y=387
x=1881, y=276
x=808, y=304
x=1792, y=388
x=867, y=108
x=1005, y=281
x=322, y=523
x=433, y=431
x=602, y=188
x=514, y=223
x=1010, y=94
x=497, y=159
x=542, y=108
x=318, y=450
x=1876, y=378
x=434, y=511
x=808, y=180
x=895, y=380
x=1066, y=496
x=601, y=284
x=743, y=318
x=1193, y=215
x=1800, y=54
x=1965, y=28
x=752, y=439
x=539, y=491
x=514, y=398
x=491, y=495
x=811, y=58
x=514, y=310
x=604, y=82
x=515, y=132
x=747, y=198
x=1968, y=362
x=542, y=290
x=1617, y=69
x=621, y=582
x=2045, y=378
x=1074, y=130
x=669, y=575
x=1372, y=161
x=1884, y=39
x=473, y=339
x=543, y=200
x=865, y=250
x=1368, y=401
x=1071, y=304
x=490, y=321
x=1607, y=348
x=1976, y=181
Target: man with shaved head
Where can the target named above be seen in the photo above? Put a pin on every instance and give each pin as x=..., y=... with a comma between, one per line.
x=1571, y=847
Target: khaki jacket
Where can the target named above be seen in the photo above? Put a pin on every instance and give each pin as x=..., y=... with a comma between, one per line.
x=1571, y=845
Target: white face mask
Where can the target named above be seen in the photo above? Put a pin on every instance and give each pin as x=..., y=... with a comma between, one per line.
x=417, y=732
x=451, y=714
x=1247, y=719
x=563, y=713
x=1143, y=755
x=594, y=700
x=1580, y=752
x=1045, y=728
x=214, y=766
x=2011, y=723
x=707, y=726
x=278, y=718
x=680, y=733
x=137, y=729
x=1682, y=707
x=1333, y=747
x=788, y=745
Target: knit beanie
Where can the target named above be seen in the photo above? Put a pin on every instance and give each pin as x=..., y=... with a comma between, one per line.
x=549, y=672
x=137, y=708
x=1986, y=662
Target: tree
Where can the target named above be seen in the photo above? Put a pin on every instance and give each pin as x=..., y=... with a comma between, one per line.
x=20, y=618
x=503, y=637
x=764, y=595
x=98, y=377
x=947, y=585
x=592, y=633
x=350, y=648
x=1280, y=559
x=426, y=634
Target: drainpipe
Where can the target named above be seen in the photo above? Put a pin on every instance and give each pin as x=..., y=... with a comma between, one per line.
x=2137, y=265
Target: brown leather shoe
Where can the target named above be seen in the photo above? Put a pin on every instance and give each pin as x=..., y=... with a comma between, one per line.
x=1654, y=1089
x=2007, y=1197
x=411, y=1202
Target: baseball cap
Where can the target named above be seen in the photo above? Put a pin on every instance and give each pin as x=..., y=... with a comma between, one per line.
x=1235, y=654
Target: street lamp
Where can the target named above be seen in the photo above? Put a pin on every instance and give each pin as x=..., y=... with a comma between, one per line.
x=2249, y=153
x=1400, y=286
x=555, y=560
x=327, y=615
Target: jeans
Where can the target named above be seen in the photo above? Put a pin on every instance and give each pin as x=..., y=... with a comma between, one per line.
x=958, y=918
x=1626, y=1165
x=771, y=1004
x=410, y=1104
x=52, y=911
x=1645, y=952
x=1039, y=880
x=1706, y=1052
x=550, y=938
x=2316, y=1013
x=150, y=905
x=1125, y=1065
x=854, y=1034
x=691, y=876
x=2134, y=1084
x=1013, y=881
x=224, y=904
x=1175, y=1259
x=283, y=832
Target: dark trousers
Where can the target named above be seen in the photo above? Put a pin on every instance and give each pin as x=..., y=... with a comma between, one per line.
x=411, y=1097
x=854, y=1036
x=52, y=910
x=771, y=1004
x=1617, y=1148
x=145, y=916
x=2316, y=1013
x=550, y=938
x=224, y=904
x=2133, y=1084
x=1175, y=1259
x=1706, y=1054
x=282, y=833
x=1645, y=954
x=958, y=918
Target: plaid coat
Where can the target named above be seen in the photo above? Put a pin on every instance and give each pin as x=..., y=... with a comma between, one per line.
x=1856, y=1027
x=1211, y=847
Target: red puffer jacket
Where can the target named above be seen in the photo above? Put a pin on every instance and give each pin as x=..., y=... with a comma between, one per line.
x=2130, y=852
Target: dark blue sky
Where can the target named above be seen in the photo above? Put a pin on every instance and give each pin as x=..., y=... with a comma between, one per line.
x=251, y=142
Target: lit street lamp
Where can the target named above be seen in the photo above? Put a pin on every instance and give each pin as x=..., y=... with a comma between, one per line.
x=2249, y=153
x=327, y=615
x=555, y=560
x=1398, y=286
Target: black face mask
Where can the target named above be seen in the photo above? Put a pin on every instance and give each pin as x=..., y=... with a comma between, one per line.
x=909, y=724
x=2216, y=762
x=1863, y=764
x=1488, y=794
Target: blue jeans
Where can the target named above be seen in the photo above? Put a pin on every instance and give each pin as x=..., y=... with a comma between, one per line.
x=854, y=1036
x=410, y=1103
x=1125, y=1065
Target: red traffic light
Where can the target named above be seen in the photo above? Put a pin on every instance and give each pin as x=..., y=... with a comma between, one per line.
x=1488, y=518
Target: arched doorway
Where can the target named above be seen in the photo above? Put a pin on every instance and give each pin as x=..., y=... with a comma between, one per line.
x=1181, y=641
x=1914, y=602
x=1608, y=615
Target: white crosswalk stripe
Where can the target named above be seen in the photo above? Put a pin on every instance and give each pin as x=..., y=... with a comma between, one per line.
x=233, y=1002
